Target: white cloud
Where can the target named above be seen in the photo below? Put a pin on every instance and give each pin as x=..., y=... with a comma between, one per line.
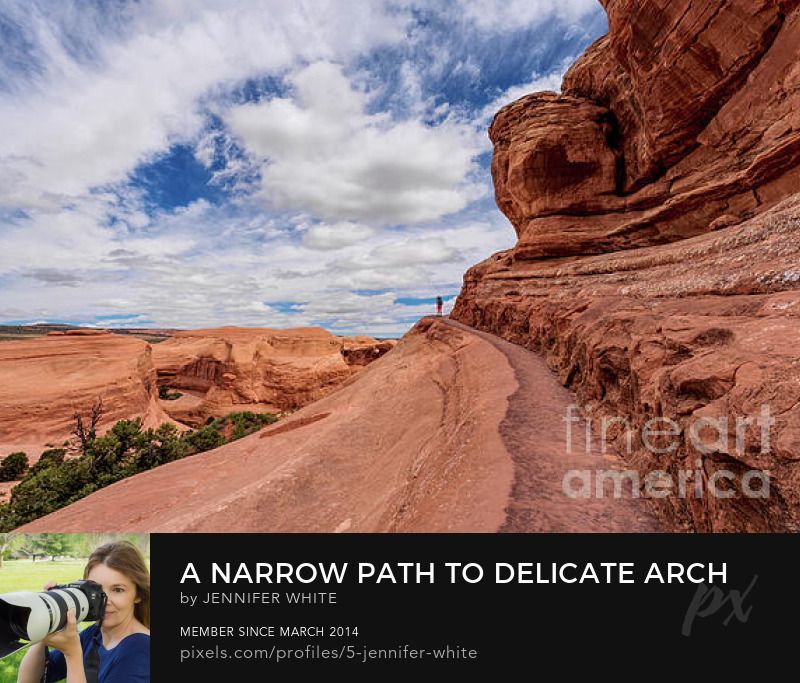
x=324, y=154
x=363, y=192
x=425, y=250
x=337, y=235
x=191, y=274
x=500, y=15
x=86, y=125
x=538, y=83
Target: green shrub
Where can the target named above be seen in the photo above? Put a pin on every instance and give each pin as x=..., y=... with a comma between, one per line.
x=7, y=518
x=126, y=449
x=50, y=489
x=245, y=423
x=204, y=439
x=166, y=394
x=160, y=446
x=53, y=456
x=13, y=466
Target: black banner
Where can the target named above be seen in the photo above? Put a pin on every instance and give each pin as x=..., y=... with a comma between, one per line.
x=242, y=605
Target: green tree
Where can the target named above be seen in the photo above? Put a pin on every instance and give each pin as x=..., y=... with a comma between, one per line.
x=52, y=456
x=126, y=449
x=54, y=545
x=48, y=490
x=9, y=541
x=158, y=447
x=13, y=466
x=7, y=518
x=204, y=439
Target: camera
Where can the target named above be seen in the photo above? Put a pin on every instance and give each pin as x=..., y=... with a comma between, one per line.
x=33, y=616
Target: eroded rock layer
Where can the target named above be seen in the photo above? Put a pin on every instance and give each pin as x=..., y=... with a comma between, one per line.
x=657, y=266
x=685, y=113
x=228, y=369
x=45, y=381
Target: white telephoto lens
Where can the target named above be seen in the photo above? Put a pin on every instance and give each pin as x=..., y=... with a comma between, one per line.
x=64, y=599
x=36, y=625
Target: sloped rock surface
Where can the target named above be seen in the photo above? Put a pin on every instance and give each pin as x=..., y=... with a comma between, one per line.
x=412, y=444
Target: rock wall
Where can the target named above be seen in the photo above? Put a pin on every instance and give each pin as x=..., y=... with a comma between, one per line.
x=685, y=113
x=229, y=369
x=45, y=381
x=657, y=265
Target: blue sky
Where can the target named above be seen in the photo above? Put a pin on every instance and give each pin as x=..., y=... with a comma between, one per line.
x=197, y=163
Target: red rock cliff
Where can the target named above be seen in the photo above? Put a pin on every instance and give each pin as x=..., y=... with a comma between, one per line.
x=45, y=381
x=658, y=260
x=223, y=370
x=684, y=113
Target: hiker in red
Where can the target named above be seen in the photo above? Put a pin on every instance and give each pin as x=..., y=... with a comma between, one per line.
x=438, y=305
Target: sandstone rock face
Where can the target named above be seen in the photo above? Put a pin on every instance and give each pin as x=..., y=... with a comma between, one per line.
x=665, y=284
x=262, y=370
x=43, y=382
x=412, y=444
x=686, y=111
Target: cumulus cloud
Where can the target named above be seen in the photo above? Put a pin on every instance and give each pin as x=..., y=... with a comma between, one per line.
x=84, y=124
x=348, y=168
x=325, y=154
x=426, y=250
x=176, y=281
x=326, y=236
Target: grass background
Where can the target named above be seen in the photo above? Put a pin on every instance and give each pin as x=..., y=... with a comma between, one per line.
x=25, y=575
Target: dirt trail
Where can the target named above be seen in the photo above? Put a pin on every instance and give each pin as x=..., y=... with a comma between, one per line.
x=534, y=431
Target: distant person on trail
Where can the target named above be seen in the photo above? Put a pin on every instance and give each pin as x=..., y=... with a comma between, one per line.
x=439, y=305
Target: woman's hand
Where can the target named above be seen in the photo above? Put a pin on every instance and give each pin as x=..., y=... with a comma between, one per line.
x=67, y=639
x=32, y=665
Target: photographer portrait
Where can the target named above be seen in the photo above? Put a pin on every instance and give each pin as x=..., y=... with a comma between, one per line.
x=114, y=649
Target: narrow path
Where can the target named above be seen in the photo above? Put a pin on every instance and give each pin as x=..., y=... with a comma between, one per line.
x=535, y=433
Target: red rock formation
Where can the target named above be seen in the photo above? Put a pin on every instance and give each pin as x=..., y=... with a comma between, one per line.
x=435, y=436
x=44, y=381
x=229, y=369
x=412, y=444
x=85, y=333
x=669, y=158
x=657, y=271
x=685, y=112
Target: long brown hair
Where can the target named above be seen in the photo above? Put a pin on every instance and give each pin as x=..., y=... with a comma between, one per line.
x=126, y=558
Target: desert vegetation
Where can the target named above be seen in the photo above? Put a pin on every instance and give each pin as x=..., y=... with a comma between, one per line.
x=13, y=466
x=126, y=449
x=167, y=394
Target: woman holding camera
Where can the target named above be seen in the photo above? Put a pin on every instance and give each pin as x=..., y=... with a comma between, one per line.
x=117, y=648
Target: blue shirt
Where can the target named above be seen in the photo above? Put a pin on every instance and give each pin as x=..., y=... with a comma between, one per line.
x=127, y=662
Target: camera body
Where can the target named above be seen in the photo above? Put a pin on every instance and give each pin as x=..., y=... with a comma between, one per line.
x=33, y=616
x=93, y=593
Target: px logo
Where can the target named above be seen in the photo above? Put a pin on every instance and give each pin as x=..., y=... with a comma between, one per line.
x=708, y=601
